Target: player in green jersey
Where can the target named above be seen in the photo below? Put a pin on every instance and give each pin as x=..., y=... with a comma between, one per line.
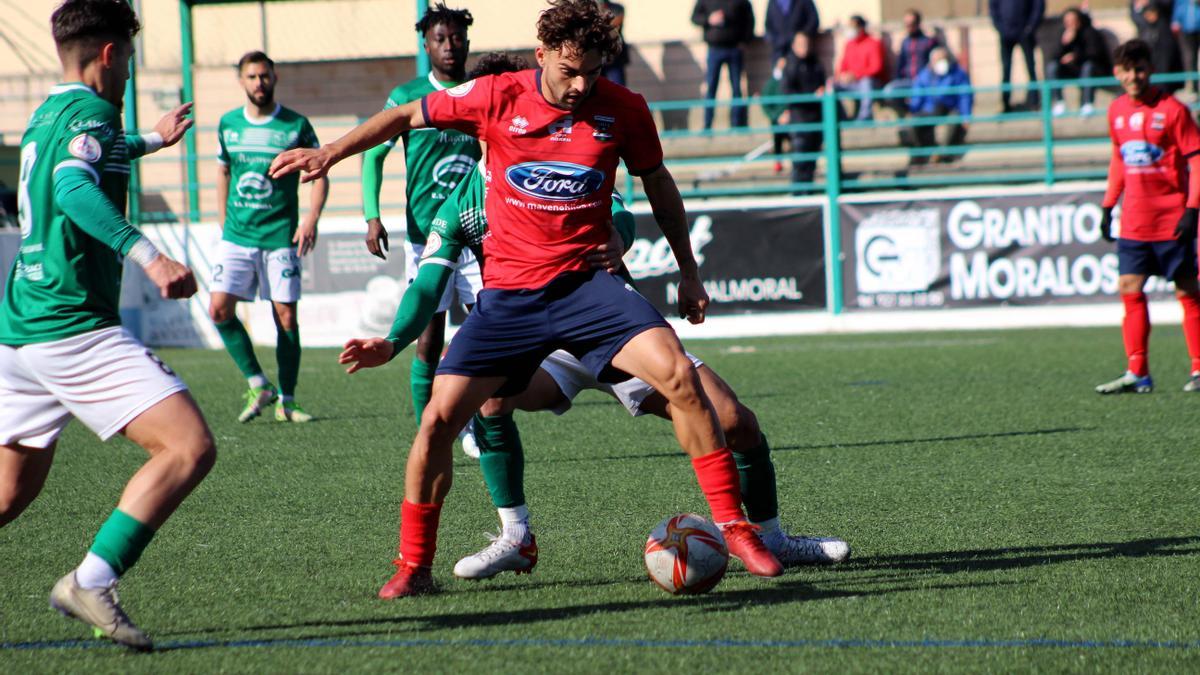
x=435, y=161
x=63, y=352
x=262, y=237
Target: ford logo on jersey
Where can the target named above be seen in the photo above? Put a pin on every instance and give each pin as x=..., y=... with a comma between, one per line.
x=1140, y=153
x=556, y=181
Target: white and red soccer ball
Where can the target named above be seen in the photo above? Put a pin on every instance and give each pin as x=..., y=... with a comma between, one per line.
x=686, y=554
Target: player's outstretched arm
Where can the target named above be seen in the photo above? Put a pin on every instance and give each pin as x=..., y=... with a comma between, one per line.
x=314, y=163
x=667, y=205
x=417, y=308
x=76, y=193
x=166, y=133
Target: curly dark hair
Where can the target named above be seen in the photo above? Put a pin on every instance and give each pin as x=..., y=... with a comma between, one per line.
x=497, y=63
x=578, y=24
x=79, y=22
x=1132, y=53
x=441, y=15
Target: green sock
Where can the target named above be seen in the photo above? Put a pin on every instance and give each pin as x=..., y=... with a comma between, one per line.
x=420, y=381
x=237, y=343
x=757, y=476
x=502, y=459
x=287, y=356
x=121, y=540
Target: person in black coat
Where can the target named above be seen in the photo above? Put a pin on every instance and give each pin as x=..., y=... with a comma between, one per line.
x=1017, y=22
x=785, y=18
x=1165, y=54
x=728, y=25
x=803, y=74
x=1080, y=53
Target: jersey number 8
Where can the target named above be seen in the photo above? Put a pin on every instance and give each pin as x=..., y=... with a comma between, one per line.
x=24, y=207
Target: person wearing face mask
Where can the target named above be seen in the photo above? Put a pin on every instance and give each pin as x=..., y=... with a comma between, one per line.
x=861, y=69
x=940, y=92
x=1080, y=53
x=912, y=58
x=1017, y=22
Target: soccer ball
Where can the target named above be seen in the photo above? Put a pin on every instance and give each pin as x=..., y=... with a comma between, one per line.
x=686, y=554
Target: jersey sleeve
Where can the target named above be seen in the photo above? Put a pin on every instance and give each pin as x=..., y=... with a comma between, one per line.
x=641, y=148
x=434, y=271
x=308, y=135
x=222, y=151
x=464, y=108
x=87, y=140
x=623, y=220
x=1187, y=136
x=397, y=98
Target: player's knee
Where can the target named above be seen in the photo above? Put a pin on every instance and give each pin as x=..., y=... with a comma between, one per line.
x=198, y=453
x=494, y=407
x=1128, y=286
x=219, y=313
x=437, y=427
x=681, y=384
x=740, y=427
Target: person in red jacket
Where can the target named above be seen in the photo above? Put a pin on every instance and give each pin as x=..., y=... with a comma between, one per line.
x=861, y=69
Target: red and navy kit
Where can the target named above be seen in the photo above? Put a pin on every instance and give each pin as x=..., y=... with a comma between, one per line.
x=1152, y=141
x=550, y=171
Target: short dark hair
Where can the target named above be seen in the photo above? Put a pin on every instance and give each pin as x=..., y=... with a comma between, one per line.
x=93, y=22
x=497, y=63
x=1132, y=53
x=859, y=21
x=441, y=15
x=916, y=13
x=580, y=24
x=255, y=56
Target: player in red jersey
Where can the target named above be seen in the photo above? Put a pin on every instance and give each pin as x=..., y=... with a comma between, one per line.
x=555, y=136
x=1156, y=164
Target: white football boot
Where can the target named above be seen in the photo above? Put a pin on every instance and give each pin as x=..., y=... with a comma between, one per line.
x=794, y=550
x=502, y=555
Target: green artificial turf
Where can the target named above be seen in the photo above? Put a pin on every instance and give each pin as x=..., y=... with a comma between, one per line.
x=1003, y=518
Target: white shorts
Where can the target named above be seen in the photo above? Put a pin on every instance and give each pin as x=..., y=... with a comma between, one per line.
x=105, y=378
x=572, y=377
x=241, y=270
x=464, y=285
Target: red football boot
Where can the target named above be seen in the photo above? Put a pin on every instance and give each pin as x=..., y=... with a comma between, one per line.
x=744, y=544
x=408, y=580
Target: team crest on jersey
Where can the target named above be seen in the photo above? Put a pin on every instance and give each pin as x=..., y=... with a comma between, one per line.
x=254, y=186
x=1119, y=123
x=603, y=127
x=432, y=244
x=86, y=148
x=450, y=170
x=561, y=130
x=519, y=126
x=1136, y=120
x=461, y=90
x=554, y=181
x=1140, y=153
x=1158, y=121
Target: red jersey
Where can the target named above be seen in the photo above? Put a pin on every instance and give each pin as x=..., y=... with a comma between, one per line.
x=1152, y=140
x=550, y=172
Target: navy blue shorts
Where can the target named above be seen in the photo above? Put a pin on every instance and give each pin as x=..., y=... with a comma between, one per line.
x=1168, y=259
x=509, y=333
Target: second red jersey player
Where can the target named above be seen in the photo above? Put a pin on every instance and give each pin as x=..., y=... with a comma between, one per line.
x=1156, y=164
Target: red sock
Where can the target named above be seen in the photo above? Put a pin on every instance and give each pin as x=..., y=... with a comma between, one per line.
x=418, y=532
x=1136, y=328
x=1191, y=327
x=718, y=479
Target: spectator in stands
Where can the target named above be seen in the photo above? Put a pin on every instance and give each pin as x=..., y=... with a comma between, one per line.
x=785, y=18
x=1080, y=53
x=861, y=69
x=728, y=25
x=1165, y=55
x=803, y=74
x=1017, y=22
x=912, y=59
x=615, y=69
x=935, y=96
x=1185, y=23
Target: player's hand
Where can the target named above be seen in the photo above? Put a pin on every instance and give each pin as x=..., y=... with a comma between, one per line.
x=362, y=353
x=174, y=280
x=313, y=163
x=608, y=255
x=305, y=238
x=174, y=124
x=377, y=240
x=693, y=299
x=1106, y=224
x=1185, y=230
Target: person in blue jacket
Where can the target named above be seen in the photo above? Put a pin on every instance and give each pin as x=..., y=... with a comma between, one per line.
x=939, y=92
x=1185, y=22
x=1017, y=22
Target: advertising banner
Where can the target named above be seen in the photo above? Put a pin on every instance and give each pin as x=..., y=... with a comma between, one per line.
x=751, y=259
x=976, y=251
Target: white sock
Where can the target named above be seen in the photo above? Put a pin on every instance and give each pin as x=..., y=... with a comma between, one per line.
x=94, y=572
x=515, y=522
x=258, y=381
x=770, y=530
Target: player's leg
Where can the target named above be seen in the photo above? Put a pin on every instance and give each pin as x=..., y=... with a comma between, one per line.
x=425, y=362
x=236, y=278
x=1187, y=290
x=279, y=273
x=23, y=472
x=427, y=478
x=466, y=283
x=502, y=462
x=1136, y=260
x=31, y=419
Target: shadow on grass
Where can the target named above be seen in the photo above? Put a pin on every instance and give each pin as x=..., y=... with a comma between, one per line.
x=986, y=560
x=856, y=444
x=775, y=593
